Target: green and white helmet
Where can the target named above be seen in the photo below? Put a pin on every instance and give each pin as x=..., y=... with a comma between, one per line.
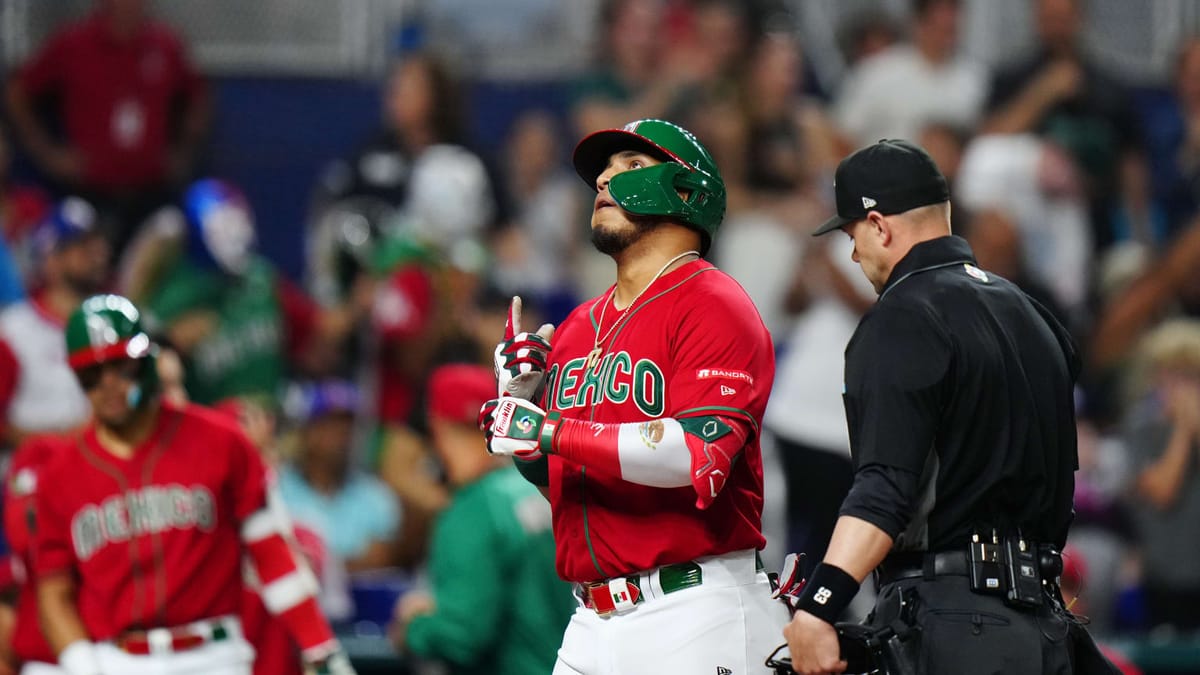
x=109, y=328
x=654, y=190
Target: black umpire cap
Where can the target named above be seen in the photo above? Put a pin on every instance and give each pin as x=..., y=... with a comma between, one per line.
x=890, y=177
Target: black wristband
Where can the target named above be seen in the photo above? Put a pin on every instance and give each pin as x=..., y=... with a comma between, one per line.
x=827, y=592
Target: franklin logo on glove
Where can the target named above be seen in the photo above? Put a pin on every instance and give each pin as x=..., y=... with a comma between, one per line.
x=504, y=417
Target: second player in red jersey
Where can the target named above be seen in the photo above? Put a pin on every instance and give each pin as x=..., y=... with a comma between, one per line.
x=143, y=519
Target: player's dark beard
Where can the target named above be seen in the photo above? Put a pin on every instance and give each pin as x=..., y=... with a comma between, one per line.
x=84, y=285
x=612, y=242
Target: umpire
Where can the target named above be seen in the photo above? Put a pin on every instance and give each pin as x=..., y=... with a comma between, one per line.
x=958, y=396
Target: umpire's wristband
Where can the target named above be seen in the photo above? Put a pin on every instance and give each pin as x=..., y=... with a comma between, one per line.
x=827, y=592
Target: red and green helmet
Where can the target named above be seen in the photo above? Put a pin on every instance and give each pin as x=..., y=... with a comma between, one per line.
x=109, y=328
x=655, y=190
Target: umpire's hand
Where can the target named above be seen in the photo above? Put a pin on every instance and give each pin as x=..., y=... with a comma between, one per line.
x=813, y=644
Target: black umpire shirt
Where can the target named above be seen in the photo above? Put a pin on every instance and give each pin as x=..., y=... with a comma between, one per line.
x=959, y=401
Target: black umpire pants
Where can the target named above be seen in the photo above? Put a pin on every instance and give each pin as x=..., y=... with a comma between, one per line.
x=964, y=632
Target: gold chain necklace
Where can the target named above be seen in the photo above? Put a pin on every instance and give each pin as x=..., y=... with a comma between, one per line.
x=593, y=356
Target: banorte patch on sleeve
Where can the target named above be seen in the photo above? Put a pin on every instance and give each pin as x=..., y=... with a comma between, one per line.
x=724, y=374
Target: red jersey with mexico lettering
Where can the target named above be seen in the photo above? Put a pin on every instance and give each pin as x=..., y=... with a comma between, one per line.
x=692, y=345
x=153, y=540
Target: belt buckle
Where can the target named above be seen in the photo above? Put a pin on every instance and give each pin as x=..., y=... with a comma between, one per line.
x=619, y=595
x=590, y=589
x=624, y=594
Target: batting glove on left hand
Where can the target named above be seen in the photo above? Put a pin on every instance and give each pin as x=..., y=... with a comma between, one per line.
x=517, y=428
x=520, y=359
x=336, y=663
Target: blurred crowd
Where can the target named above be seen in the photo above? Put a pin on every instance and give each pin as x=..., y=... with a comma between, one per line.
x=1063, y=180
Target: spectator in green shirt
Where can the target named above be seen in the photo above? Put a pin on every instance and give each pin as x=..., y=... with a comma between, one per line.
x=496, y=604
x=239, y=324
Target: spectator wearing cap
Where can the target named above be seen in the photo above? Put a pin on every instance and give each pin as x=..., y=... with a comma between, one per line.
x=496, y=533
x=355, y=512
x=38, y=391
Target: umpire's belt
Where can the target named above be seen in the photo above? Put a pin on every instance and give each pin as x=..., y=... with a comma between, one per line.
x=908, y=565
x=622, y=594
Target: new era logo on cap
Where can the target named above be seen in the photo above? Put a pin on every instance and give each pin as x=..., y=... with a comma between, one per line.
x=898, y=175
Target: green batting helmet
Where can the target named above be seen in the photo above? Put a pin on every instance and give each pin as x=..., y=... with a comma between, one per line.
x=654, y=190
x=109, y=328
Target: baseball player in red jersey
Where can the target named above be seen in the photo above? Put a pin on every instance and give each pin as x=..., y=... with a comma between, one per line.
x=644, y=429
x=139, y=544
x=20, y=523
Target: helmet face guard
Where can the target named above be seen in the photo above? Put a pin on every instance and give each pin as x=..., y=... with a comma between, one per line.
x=655, y=191
x=686, y=187
x=108, y=328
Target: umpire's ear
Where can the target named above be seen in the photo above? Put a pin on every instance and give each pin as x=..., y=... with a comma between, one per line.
x=880, y=226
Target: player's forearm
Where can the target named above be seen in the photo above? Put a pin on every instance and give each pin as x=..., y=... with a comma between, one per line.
x=665, y=453
x=647, y=453
x=59, y=617
x=289, y=589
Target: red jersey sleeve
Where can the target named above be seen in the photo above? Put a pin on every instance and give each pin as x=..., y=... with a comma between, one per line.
x=20, y=491
x=300, y=315
x=10, y=373
x=723, y=361
x=52, y=549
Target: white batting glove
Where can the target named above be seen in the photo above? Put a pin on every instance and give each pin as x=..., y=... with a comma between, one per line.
x=517, y=428
x=520, y=358
x=79, y=658
x=336, y=663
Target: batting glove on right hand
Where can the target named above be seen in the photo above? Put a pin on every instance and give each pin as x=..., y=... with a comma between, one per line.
x=520, y=359
x=517, y=428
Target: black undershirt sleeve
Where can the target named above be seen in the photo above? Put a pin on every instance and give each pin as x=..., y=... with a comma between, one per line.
x=536, y=471
x=884, y=496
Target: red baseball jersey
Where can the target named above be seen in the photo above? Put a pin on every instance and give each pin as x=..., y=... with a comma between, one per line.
x=692, y=345
x=116, y=98
x=153, y=540
x=20, y=524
